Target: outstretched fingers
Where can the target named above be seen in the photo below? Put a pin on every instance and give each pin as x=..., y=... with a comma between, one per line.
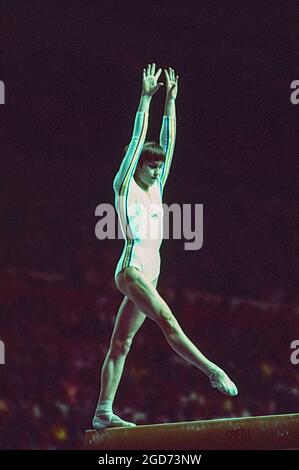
x=150, y=79
x=151, y=69
x=167, y=73
x=158, y=73
x=170, y=75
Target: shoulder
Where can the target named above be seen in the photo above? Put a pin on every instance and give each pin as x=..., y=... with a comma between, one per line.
x=122, y=186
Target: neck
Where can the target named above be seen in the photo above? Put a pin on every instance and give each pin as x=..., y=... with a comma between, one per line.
x=140, y=183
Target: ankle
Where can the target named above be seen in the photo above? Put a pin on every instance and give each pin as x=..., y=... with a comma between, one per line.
x=213, y=370
x=104, y=407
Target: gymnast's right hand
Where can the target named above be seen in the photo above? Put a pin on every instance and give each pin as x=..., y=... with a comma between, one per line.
x=149, y=80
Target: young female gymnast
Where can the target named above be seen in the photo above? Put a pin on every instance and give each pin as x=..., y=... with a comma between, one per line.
x=138, y=187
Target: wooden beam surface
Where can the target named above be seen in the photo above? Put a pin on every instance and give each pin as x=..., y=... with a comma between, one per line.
x=255, y=432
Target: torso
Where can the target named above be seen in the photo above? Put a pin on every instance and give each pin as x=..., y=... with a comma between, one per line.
x=141, y=212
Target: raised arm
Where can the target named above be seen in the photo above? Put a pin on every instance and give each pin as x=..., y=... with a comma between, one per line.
x=168, y=129
x=130, y=159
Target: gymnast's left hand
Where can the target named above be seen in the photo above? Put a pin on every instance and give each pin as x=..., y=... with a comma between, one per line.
x=172, y=82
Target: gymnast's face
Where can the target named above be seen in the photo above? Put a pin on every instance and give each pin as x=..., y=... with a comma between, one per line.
x=149, y=172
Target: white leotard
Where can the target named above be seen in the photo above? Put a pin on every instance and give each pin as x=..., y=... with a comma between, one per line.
x=140, y=212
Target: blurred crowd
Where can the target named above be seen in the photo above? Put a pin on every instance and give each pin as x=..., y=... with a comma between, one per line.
x=56, y=331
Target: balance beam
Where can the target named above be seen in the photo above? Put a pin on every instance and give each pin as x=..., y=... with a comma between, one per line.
x=254, y=433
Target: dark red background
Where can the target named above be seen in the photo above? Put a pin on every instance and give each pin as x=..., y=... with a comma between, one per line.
x=72, y=72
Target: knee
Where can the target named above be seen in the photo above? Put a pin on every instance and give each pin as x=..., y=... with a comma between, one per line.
x=120, y=346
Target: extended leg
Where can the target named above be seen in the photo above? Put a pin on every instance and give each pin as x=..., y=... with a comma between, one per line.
x=133, y=284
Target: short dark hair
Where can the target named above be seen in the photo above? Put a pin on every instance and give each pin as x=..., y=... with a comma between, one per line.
x=151, y=151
